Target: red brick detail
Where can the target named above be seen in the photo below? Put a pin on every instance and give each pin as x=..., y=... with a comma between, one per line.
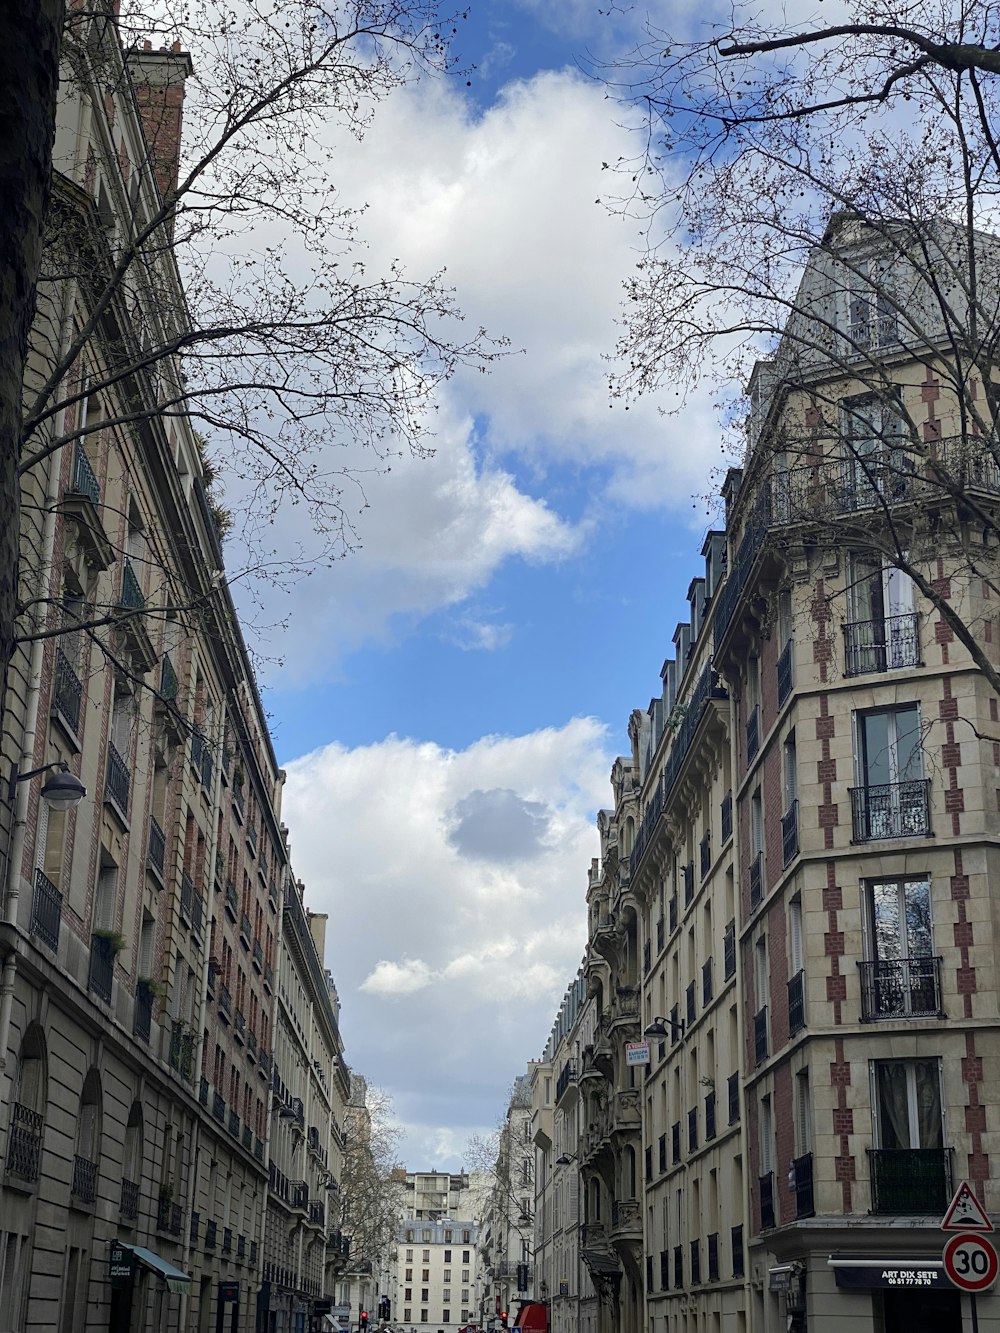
x=843, y=1120
x=813, y=417
x=833, y=900
x=825, y=728
x=975, y=1116
x=948, y=710
x=826, y=770
x=975, y=1119
x=836, y=993
x=963, y=933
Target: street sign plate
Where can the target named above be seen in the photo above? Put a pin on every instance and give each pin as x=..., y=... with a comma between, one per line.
x=965, y=1212
x=970, y=1261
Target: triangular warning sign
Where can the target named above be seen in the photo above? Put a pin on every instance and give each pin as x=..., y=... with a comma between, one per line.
x=965, y=1212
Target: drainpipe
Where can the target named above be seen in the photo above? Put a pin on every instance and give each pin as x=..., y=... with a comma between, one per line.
x=11, y=885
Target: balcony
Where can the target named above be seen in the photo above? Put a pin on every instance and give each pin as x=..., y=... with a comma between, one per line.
x=796, y=1003
x=24, y=1146
x=801, y=1180
x=211, y=1233
x=733, y=1088
x=232, y=902
x=882, y=645
x=688, y=874
x=693, y=1129
x=234, y=1122
x=156, y=848
x=753, y=733
x=760, y=1035
x=129, y=1204
x=766, y=1183
x=567, y=1078
x=83, y=482
x=225, y=1003
x=67, y=692
x=142, y=1016
x=187, y=898
x=891, y=810
x=675, y=1142
x=80, y=503
x=195, y=1230
x=736, y=1243
x=240, y=1026
x=46, y=911
x=691, y=1004
x=169, y=1216
x=181, y=1056
x=695, y=1263
x=790, y=833
x=901, y=988
x=672, y=913
x=252, y=837
x=227, y=1240
x=729, y=950
x=317, y=1213
x=710, y=1116
x=102, y=966
x=756, y=880
x=169, y=684
x=203, y=1090
x=910, y=1180
x=727, y=817
x=258, y=957
x=705, y=854
x=84, y=1187
x=116, y=780
x=625, y=1217
x=713, y=1257
x=218, y=1106
x=300, y=1195
x=246, y=931
x=785, y=673
x=706, y=982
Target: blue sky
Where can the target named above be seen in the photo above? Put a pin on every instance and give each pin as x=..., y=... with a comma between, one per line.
x=452, y=695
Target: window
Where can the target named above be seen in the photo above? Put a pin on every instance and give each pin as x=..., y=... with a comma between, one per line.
x=407, y=1294
x=409, y=1253
x=900, y=976
x=447, y=1237
x=423, y=1316
x=425, y=1235
x=446, y=1316
x=409, y=1275
x=881, y=632
x=425, y=1275
x=790, y=819
x=466, y=1238
x=890, y=800
x=447, y=1256
x=407, y=1312
x=465, y=1275
x=803, y=1113
x=796, y=961
x=465, y=1253
x=878, y=466
x=446, y=1275
x=425, y=1294
x=871, y=312
x=907, y=1099
x=427, y=1256
x=446, y=1295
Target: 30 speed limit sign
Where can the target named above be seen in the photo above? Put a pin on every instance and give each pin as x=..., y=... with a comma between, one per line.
x=970, y=1261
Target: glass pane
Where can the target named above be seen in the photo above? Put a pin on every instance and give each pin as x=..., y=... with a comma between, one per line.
x=893, y=1112
x=928, y=1094
x=909, y=763
x=875, y=749
x=885, y=921
x=918, y=918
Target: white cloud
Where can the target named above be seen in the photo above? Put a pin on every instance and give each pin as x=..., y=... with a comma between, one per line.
x=450, y=964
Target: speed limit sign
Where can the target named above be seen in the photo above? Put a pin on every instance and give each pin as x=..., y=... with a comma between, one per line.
x=970, y=1261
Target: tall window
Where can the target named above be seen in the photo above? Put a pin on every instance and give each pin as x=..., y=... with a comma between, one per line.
x=871, y=311
x=907, y=1100
x=878, y=466
x=881, y=633
x=892, y=798
x=900, y=974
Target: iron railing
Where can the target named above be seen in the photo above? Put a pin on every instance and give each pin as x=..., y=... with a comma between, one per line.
x=881, y=645
x=24, y=1144
x=116, y=781
x=891, y=810
x=132, y=598
x=84, y=1187
x=802, y=1183
x=46, y=911
x=705, y=853
x=727, y=816
x=706, y=982
x=142, y=1018
x=156, y=848
x=766, y=1183
x=790, y=833
x=710, y=1116
x=901, y=988
x=760, y=1035
x=756, y=880
x=102, y=967
x=910, y=1180
x=169, y=684
x=713, y=1257
x=753, y=733
x=67, y=692
x=736, y=1243
x=733, y=1088
x=84, y=482
x=785, y=673
x=796, y=1003
x=729, y=950
x=129, y=1205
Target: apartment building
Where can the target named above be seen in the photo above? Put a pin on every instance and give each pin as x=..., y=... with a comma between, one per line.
x=435, y=1273
x=791, y=923
x=507, y=1235
x=145, y=872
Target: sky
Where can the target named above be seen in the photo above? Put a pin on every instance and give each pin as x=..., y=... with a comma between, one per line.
x=451, y=697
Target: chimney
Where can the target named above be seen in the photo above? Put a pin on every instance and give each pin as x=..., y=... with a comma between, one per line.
x=317, y=929
x=158, y=79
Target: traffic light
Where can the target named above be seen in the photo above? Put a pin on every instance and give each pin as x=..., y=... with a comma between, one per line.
x=503, y=1318
x=364, y=1318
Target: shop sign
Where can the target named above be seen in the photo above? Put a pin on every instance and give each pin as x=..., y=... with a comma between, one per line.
x=932, y=1277
x=120, y=1267
x=229, y=1291
x=637, y=1053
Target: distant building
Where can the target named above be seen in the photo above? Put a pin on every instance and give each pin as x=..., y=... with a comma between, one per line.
x=435, y=1273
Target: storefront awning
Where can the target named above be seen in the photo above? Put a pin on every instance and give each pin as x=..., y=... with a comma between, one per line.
x=532, y=1317
x=175, y=1278
x=598, y=1262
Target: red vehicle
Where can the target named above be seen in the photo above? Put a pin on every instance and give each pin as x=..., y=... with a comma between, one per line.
x=531, y=1317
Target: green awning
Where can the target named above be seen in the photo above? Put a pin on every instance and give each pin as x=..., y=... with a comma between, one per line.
x=175, y=1278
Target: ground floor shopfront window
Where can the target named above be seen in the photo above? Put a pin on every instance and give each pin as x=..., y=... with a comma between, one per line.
x=917, y=1311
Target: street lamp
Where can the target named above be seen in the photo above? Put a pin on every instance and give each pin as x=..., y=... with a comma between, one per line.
x=61, y=791
x=658, y=1031
x=565, y=1158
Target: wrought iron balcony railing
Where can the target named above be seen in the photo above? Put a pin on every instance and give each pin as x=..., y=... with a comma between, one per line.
x=67, y=692
x=882, y=645
x=891, y=810
x=156, y=848
x=733, y=1088
x=785, y=673
x=910, y=1180
x=132, y=598
x=46, y=911
x=24, y=1145
x=729, y=950
x=801, y=1179
x=901, y=988
x=102, y=967
x=753, y=733
x=116, y=781
x=790, y=833
x=760, y=1035
x=796, y=1003
x=169, y=684
x=84, y=1187
x=756, y=880
x=766, y=1183
x=84, y=482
